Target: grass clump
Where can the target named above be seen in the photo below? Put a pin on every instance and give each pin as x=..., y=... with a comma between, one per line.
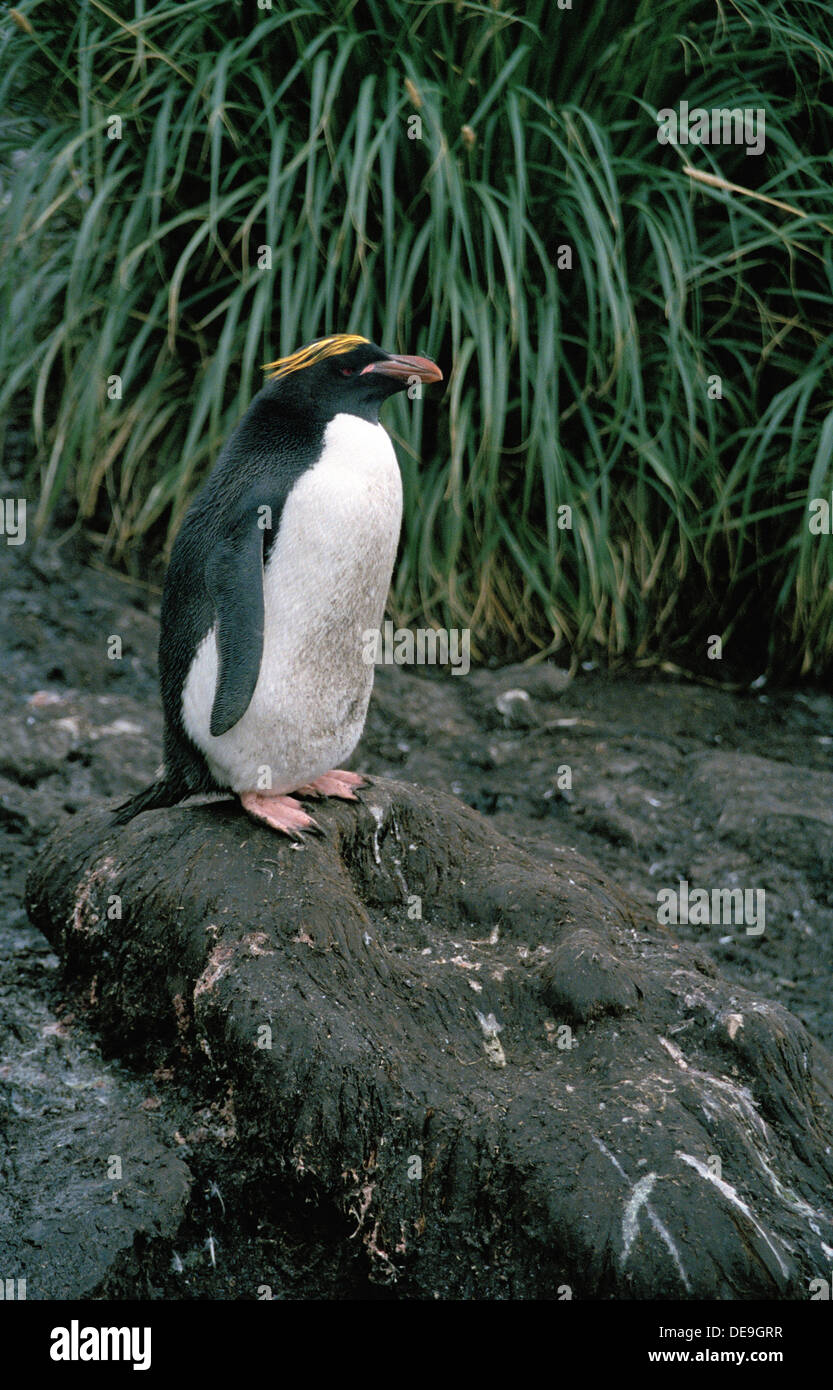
x=639, y=405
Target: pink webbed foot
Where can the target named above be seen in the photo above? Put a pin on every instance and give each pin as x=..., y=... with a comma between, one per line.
x=283, y=813
x=335, y=783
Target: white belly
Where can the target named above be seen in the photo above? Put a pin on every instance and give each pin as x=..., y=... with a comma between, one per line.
x=324, y=586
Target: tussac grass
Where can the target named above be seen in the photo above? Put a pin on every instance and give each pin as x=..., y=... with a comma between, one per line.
x=584, y=387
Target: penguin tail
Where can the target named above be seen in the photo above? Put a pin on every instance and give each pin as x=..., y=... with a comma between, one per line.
x=164, y=792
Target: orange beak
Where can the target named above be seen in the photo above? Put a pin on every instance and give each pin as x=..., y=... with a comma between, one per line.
x=405, y=368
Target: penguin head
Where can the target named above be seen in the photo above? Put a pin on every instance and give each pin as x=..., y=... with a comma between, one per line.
x=344, y=374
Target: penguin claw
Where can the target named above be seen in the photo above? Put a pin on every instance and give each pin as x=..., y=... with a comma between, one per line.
x=336, y=783
x=282, y=813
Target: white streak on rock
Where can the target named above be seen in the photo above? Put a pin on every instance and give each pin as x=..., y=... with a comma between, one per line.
x=726, y=1189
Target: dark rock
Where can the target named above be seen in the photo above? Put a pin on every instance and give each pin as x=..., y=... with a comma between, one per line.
x=96, y=1180
x=542, y=680
x=497, y=1074
x=755, y=799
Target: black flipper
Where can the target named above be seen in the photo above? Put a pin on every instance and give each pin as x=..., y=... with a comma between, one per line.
x=234, y=579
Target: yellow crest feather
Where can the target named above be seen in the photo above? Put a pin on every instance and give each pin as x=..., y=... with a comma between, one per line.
x=313, y=352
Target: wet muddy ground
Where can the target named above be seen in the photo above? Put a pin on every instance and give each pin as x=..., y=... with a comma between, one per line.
x=669, y=781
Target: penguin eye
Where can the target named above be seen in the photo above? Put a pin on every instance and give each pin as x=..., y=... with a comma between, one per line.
x=346, y=371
